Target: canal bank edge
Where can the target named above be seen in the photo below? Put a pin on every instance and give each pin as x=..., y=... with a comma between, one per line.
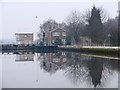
x=102, y=50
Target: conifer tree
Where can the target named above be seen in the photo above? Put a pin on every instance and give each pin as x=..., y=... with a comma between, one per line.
x=95, y=27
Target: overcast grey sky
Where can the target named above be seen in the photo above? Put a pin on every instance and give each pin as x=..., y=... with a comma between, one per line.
x=20, y=16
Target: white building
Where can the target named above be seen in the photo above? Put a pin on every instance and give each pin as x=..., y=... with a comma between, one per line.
x=24, y=38
x=24, y=56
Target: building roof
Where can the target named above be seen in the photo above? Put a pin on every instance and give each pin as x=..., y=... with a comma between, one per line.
x=57, y=29
x=24, y=33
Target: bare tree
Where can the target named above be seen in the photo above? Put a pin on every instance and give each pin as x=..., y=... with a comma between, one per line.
x=104, y=15
x=86, y=16
x=111, y=27
x=75, y=26
x=48, y=25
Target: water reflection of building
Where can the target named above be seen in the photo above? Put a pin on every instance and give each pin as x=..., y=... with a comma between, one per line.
x=25, y=56
x=57, y=58
x=53, y=61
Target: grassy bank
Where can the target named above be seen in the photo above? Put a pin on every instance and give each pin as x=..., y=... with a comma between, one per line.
x=102, y=50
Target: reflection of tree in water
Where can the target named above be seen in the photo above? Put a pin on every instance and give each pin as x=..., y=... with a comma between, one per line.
x=82, y=68
x=76, y=70
x=95, y=70
x=112, y=64
x=110, y=67
x=49, y=67
x=89, y=69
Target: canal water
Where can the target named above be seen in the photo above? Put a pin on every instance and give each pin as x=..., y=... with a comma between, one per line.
x=57, y=70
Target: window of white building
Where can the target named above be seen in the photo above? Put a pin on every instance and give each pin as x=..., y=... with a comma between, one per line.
x=56, y=34
x=25, y=35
